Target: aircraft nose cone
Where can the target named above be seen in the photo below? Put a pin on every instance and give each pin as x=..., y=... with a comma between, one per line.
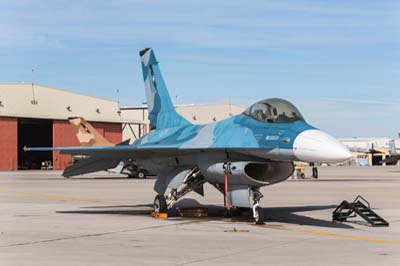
x=316, y=146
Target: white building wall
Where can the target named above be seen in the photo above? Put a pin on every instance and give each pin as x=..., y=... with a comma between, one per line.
x=366, y=143
x=37, y=101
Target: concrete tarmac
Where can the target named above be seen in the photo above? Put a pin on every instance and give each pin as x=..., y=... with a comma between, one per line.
x=104, y=219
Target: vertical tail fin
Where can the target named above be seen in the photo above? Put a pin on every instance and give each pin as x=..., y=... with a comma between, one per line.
x=392, y=147
x=162, y=113
x=86, y=134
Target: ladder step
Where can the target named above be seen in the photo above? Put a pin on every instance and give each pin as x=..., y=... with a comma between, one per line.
x=346, y=210
x=357, y=204
x=382, y=224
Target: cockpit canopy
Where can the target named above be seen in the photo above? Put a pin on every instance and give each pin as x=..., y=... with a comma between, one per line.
x=274, y=111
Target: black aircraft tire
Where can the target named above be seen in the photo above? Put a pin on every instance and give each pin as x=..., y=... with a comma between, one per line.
x=160, y=204
x=141, y=175
x=261, y=218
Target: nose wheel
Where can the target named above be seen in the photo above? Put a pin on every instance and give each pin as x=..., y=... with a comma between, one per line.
x=258, y=213
x=160, y=204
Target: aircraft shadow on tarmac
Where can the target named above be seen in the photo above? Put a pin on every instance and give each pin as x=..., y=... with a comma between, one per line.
x=61, y=178
x=361, y=179
x=288, y=215
x=77, y=178
x=110, y=177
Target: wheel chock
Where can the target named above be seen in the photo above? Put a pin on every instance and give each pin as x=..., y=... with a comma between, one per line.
x=195, y=212
x=161, y=215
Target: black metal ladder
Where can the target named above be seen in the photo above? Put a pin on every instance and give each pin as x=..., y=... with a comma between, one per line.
x=361, y=207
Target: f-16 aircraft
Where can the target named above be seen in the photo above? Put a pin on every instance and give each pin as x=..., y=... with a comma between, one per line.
x=394, y=156
x=237, y=155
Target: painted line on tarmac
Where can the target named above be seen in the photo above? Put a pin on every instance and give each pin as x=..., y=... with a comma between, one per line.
x=59, y=197
x=97, y=234
x=314, y=232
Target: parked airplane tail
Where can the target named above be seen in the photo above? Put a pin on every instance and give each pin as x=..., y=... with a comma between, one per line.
x=162, y=113
x=86, y=134
x=392, y=147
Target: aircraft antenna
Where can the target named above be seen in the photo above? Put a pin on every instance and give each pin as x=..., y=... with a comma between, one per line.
x=34, y=101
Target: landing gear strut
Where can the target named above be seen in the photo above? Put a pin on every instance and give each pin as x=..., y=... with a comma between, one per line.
x=193, y=181
x=258, y=213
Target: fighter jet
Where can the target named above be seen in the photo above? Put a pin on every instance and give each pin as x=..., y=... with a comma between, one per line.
x=237, y=155
x=394, y=156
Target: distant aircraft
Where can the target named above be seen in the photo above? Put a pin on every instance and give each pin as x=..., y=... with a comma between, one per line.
x=394, y=156
x=237, y=155
x=372, y=150
x=87, y=135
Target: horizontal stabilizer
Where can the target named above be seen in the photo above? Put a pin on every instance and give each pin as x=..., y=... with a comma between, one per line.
x=124, y=143
x=90, y=165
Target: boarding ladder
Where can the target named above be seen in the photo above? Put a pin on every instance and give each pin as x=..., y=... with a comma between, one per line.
x=361, y=207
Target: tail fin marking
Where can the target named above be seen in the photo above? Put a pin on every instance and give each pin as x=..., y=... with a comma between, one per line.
x=162, y=113
x=86, y=134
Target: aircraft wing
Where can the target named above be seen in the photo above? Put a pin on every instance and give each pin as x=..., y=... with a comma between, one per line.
x=363, y=150
x=101, y=158
x=123, y=151
x=90, y=165
x=132, y=152
x=106, y=157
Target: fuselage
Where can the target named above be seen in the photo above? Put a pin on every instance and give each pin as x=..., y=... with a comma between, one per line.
x=277, y=141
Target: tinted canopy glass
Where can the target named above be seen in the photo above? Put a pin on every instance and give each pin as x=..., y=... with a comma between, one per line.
x=274, y=111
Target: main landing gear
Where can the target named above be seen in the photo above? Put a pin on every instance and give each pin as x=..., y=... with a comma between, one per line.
x=258, y=213
x=160, y=204
x=193, y=181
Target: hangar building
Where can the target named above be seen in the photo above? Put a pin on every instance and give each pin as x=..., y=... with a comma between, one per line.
x=35, y=115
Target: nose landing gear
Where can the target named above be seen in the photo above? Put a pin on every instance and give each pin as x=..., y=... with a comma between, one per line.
x=258, y=213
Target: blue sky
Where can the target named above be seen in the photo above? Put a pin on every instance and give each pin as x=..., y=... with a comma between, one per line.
x=338, y=61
